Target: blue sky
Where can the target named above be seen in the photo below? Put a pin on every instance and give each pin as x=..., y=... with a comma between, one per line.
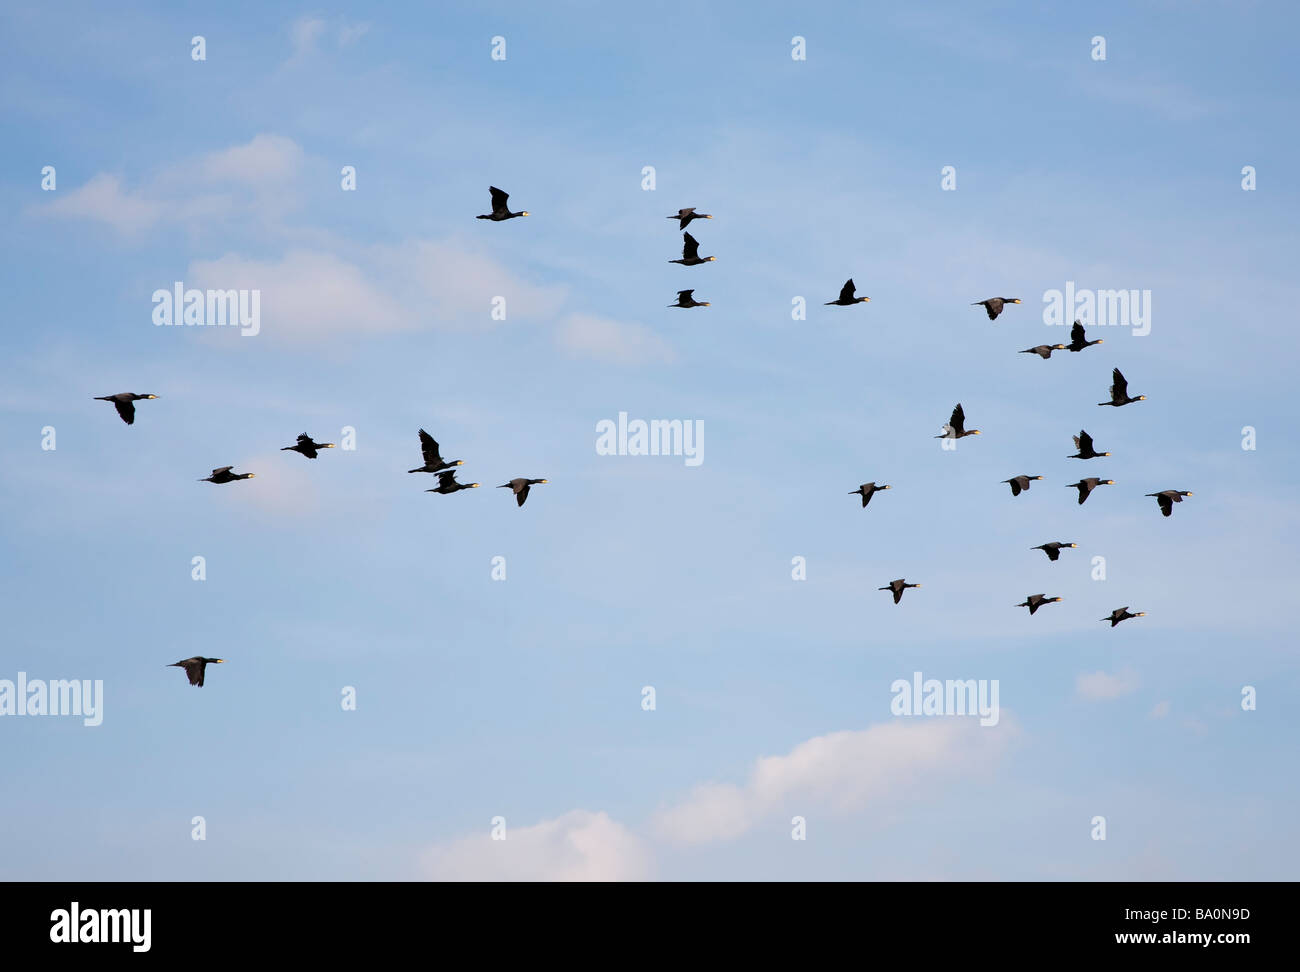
x=522, y=698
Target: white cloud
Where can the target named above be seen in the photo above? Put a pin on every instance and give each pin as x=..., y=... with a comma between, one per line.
x=842, y=771
x=609, y=340
x=265, y=159
x=578, y=846
x=103, y=199
x=1100, y=686
x=1160, y=710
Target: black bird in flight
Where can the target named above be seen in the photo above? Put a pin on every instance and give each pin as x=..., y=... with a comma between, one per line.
x=1119, y=391
x=691, y=252
x=1044, y=351
x=447, y=483
x=433, y=461
x=1083, y=442
x=866, y=491
x=1079, y=338
x=307, y=447
x=1053, y=550
x=224, y=475
x=1168, y=497
x=1035, y=601
x=500, y=210
x=994, y=305
x=124, y=402
x=846, y=298
x=956, y=427
x=1086, y=486
x=684, y=217
x=684, y=299
x=1121, y=614
x=195, y=667
x=1020, y=484
x=897, y=586
x=521, y=486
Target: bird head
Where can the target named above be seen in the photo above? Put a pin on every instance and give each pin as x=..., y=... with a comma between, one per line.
x=1056, y=598
x=473, y=485
x=219, y=661
x=1109, y=482
x=705, y=303
x=974, y=432
x=150, y=396
x=1035, y=477
x=864, y=300
x=252, y=475
x=1073, y=545
x=1189, y=493
x=1101, y=340
x=1058, y=347
x=1014, y=300
x=327, y=445
x=543, y=480
x=884, y=487
x=525, y=213
x=459, y=462
x=1140, y=614
x=711, y=258
x=1105, y=453
x=708, y=217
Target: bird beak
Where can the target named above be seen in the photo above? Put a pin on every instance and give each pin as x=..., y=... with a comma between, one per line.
x=525, y=213
x=1110, y=482
x=220, y=661
x=712, y=258
x=1142, y=398
x=329, y=445
x=473, y=485
x=1142, y=614
x=153, y=396
x=1101, y=340
x=708, y=217
x=886, y=487
x=546, y=480
x=1074, y=545
x=706, y=303
x=1189, y=492
x=1016, y=301
x=252, y=475
x=975, y=432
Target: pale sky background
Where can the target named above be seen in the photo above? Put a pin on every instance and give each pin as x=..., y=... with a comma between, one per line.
x=521, y=699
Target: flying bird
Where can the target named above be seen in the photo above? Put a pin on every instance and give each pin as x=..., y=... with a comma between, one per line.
x=691, y=252
x=1053, y=550
x=684, y=299
x=866, y=491
x=897, y=587
x=124, y=402
x=1079, y=338
x=433, y=461
x=1083, y=442
x=307, y=447
x=1086, y=486
x=846, y=298
x=447, y=483
x=224, y=475
x=684, y=217
x=1119, y=391
x=1121, y=614
x=1020, y=484
x=195, y=667
x=500, y=210
x=1044, y=351
x=520, y=486
x=994, y=305
x=956, y=427
x=1168, y=497
x=1035, y=601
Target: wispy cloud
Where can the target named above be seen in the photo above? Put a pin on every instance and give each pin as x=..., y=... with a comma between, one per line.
x=1099, y=686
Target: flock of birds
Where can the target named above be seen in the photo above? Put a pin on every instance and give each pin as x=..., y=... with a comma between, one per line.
x=956, y=429
x=195, y=668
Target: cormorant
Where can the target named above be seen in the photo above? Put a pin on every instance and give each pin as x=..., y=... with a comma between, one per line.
x=691, y=252
x=1083, y=442
x=124, y=402
x=1053, y=550
x=684, y=217
x=433, y=461
x=1121, y=614
x=897, y=587
x=447, y=483
x=684, y=299
x=1035, y=601
x=1168, y=497
x=1119, y=391
x=1086, y=486
x=520, y=486
x=846, y=298
x=1044, y=351
x=195, y=667
x=866, y=491
x=1079, y=338
x=994, y=305
x=307, y=447
x=1020, y=484
x=500, y=210
x=224, y=475
x=956, y=427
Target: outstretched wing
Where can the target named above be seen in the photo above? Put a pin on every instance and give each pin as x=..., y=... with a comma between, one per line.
x=126, y=410
x=690, y=247
x=1083, y=441
x=684, y=294
x=447, y=478
x=521, y=494
x=499, y=199
x=430, y=449
x=958, y=420
x=1077, y=335
x=223, y=469
x=1119, y=389
x=846, y=292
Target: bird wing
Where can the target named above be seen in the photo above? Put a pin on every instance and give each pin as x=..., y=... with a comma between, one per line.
x=218, y=472
x=690, y=247
x=1077, y=335
x=126, y=410
x=1120, y=387
x=430, y=449
x=683, y=294
x=958, y=419
x=446, y=478
x=1015, y=486
x=685, y=212
x=194, y=670
x=499, y=199
x=1084, y=441
x=521, y=494
x=846, y=292
x=1166, y=504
